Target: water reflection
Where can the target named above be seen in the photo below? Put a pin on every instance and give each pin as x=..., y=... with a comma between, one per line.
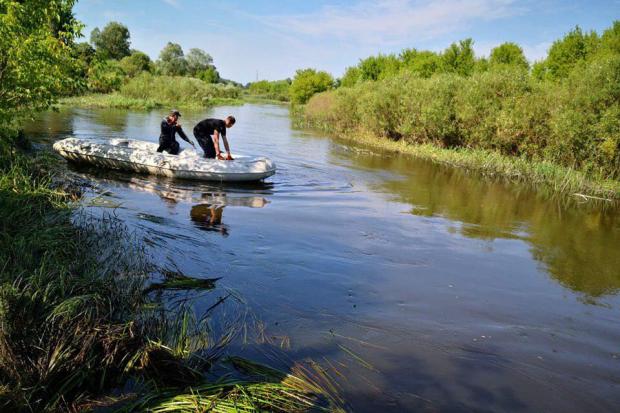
x=209, y=218
x=573, y=242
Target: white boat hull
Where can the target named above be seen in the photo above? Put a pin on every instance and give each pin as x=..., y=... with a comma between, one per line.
x=142, y=157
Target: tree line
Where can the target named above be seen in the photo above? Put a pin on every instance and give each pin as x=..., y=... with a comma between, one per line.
x=107, y=61
x=574, y=49
x=564, y=109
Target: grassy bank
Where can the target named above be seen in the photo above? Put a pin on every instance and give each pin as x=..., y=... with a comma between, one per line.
x=504, y=122
x=118, y=101
x=82, y=319
x=148, y=91
x=539, y=174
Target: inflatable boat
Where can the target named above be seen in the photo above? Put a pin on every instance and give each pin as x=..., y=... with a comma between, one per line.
x=142, y=156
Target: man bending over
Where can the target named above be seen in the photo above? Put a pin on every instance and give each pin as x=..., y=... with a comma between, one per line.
x=208, y=132
x=170, y=127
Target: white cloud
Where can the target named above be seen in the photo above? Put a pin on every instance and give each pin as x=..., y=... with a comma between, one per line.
x=392, y=21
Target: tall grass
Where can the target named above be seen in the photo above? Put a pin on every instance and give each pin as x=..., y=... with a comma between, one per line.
x=572, y=125
x=80, y=315
x=148, y=91
x=182, y=91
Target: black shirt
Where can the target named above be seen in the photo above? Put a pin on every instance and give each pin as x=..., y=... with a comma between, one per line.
x=208, y=126
x=168, y=131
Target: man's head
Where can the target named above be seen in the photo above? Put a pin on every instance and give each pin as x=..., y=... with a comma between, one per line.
x=174, y=115
x=230, y=121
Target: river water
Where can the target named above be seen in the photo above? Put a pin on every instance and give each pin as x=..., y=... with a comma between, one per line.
x=416, y=286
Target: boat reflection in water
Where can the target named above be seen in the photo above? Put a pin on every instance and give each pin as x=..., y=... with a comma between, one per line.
x=208, y=216
x=209, y=200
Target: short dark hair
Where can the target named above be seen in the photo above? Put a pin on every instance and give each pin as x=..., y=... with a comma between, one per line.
x=232, y=119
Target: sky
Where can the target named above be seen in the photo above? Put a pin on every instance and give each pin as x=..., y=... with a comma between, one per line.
x=271, y=39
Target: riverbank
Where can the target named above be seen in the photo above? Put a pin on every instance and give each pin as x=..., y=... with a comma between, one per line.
x=73, y=331
x=539, y=174
x=118, y=101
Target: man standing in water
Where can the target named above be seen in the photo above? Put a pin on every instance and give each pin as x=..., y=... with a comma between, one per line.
x=208, y=132
x=170, y=127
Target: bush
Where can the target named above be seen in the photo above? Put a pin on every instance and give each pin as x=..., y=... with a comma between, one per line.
x=586, y=131
x=105, y=76
x=575, y=123
x=276, y=90
x=135, y=64
x=308, y=82
x=176, y=90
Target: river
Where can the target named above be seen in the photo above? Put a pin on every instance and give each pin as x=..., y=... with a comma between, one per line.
x=418, y=287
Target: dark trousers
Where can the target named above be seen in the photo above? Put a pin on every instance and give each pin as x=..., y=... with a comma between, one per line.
x=170, y=146
x=206, y=143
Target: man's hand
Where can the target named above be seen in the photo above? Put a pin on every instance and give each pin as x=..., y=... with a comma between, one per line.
x=229, y=157
x=220, y=157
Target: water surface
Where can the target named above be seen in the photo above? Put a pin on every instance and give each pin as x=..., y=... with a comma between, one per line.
x=419, y=287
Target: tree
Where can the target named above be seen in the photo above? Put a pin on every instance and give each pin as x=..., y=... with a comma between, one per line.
x=564, y=54
x=509, y=54
x=83, y=53
x=172, y=61
x=423, y=64
x=35, y=68
x=135, y=63
x=198, y=61
x=351, y=77
x=209, y=75
x=105, y=76
x=610, y=40
x=379, y=67
x=307, y=82
x=459, y=58
x=112, y=42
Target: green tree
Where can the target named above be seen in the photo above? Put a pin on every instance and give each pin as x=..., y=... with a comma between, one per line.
x=564, y=54
x=209, y=75
x=172, y=61
x=35, y=67
x=112, y=42
x=135, y=63
x=459, y=58
x=105, y=76
x=510, y=54
x=379, y=67
x=198, y=61
x=64, y=25
x=351, y=77
x=307, y=82
x=423, y=64
x=610, y=40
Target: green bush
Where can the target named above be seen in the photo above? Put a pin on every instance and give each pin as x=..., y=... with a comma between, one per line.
x=574, y=123
x=105, y=76
x=275, y=90
x=176, y=90
x=586, y=131
x=135, y=63
x=308, y=82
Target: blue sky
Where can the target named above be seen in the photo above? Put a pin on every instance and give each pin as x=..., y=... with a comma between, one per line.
x=271, y=39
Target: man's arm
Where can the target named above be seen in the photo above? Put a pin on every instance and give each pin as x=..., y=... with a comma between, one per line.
x=183, y=135
x=216, y=143
x=229, y=157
